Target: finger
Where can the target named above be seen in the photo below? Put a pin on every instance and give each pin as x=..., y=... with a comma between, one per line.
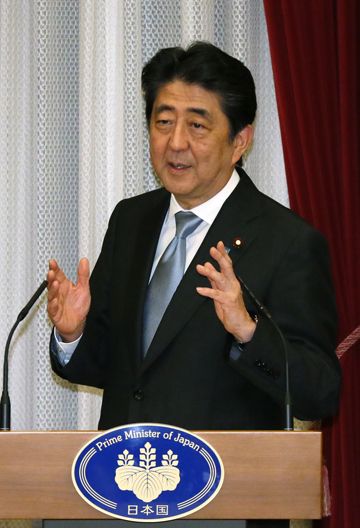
x=83, y=272
x=53, y=308
x=220, y=246
x=212, y=293
x=219, y=254
x=55, y=273
x=50, y=277
x=225, y=252
x=207, y=270
x=53, y=265
x=53, y=291
x=223, y=279
x=56, y=270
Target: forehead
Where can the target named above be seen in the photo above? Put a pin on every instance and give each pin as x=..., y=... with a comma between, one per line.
x=180, y=96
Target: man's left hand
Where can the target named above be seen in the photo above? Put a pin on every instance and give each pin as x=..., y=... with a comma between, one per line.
x=227, y=295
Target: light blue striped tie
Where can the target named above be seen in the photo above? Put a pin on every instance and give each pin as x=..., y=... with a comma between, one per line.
x=167, y=275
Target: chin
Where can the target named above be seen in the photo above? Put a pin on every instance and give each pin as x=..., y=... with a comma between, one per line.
x=177, y=184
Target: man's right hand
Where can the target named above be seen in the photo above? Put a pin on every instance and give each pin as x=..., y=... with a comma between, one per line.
x=68, y=303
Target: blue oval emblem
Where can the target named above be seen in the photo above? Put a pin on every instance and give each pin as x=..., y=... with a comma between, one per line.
x=147, y=472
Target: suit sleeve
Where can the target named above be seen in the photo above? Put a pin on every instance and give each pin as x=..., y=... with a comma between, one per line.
x=300, y=299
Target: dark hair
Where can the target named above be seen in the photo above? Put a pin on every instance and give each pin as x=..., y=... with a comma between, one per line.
x=206, y=65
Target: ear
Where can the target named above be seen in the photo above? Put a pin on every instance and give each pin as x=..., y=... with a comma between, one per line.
x=242, y=142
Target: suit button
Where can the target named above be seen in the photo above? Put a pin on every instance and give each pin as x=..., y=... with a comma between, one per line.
x=138, y=395
x=260, y=364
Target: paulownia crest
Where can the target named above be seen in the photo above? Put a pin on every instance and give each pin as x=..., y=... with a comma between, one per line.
x=147, y=481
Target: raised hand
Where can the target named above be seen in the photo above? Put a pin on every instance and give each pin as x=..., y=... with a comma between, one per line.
x=68, y=303
x=227, y=295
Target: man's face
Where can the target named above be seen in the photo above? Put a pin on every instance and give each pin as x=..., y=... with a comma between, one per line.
x=189, y=143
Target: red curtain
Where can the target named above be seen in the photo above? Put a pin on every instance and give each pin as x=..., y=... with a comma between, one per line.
x=315, y=51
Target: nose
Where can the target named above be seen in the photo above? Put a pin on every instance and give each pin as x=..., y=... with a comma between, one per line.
x=178, y=137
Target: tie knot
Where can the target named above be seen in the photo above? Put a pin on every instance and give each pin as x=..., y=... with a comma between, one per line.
x=186, y=223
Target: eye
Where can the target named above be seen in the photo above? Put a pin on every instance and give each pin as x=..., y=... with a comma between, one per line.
x=197, y=126
x=163, y=122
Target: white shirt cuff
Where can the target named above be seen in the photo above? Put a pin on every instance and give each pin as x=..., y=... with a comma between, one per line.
x=65, y=350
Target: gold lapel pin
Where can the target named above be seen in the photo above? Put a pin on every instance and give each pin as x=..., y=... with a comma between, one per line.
x=236, y=243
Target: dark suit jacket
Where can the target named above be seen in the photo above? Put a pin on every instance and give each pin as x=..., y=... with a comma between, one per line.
x=188, y=377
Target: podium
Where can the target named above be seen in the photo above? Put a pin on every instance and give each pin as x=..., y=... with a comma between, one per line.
x=268, y=475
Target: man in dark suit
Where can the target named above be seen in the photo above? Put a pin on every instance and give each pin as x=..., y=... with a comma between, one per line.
x=214, y=361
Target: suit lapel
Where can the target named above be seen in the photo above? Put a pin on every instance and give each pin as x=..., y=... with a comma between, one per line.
x=233, y=223
x=150, y=224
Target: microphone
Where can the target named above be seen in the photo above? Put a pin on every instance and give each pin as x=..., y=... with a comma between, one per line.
x=288, y=411
x=5, y=407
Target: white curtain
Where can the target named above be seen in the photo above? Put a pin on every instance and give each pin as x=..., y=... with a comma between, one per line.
x=73, y=142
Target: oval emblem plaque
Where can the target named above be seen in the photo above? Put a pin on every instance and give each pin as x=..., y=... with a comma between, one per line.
x=147, y=472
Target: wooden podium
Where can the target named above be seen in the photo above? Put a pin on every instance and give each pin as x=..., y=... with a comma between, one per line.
x=268, y=475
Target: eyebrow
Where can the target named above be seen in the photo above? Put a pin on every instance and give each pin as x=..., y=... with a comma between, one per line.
x=191, y=110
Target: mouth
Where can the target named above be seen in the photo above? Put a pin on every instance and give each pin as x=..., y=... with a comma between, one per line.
x=178, y=167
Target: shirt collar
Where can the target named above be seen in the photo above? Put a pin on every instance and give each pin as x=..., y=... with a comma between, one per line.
x=208, y=210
